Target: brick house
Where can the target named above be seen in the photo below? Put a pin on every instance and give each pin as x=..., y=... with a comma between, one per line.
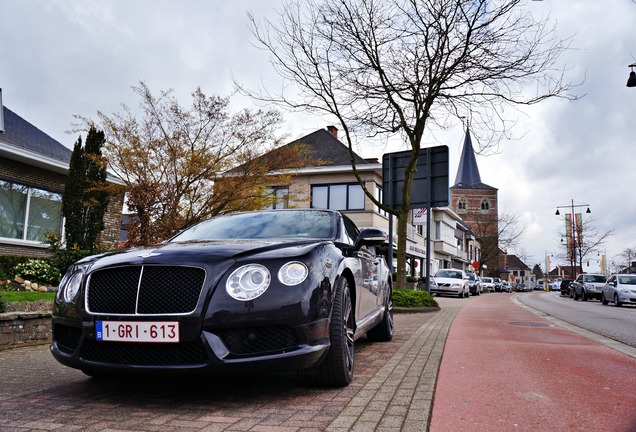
x=33, y=170
x=330, y=183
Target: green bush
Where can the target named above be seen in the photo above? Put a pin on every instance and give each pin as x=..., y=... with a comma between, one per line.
x=3, y=305
x=7, y=262
x=37, y=270
x=413, y=299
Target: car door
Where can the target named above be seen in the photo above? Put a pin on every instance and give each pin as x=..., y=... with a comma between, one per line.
x=367, y=275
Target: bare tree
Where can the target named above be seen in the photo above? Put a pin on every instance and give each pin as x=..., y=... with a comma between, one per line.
x=174, y=160
x=494, y=233
x=627, y=258
x=397, y=68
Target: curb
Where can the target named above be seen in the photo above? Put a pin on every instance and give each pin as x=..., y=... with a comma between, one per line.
x=416, y=310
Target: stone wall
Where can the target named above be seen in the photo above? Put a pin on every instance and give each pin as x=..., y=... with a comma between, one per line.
x=17, y=328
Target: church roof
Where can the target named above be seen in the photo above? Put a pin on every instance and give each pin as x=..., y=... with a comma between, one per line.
x=468, y=172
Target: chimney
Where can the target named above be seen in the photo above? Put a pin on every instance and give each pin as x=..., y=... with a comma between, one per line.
x=1, y=113
x=332, y=129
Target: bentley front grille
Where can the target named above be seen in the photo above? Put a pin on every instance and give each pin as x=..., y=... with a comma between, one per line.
x=144, y=290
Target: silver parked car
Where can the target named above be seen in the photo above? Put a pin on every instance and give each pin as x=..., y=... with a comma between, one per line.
x=488, y=284
x=451, y=281
x=620, y=289
x=588, y=286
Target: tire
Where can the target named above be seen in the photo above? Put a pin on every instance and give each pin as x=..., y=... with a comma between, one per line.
x=336, y=370
x=584, y=296
x=616, y=302
x=383, y=332
x=576, y=296
x=604, y=300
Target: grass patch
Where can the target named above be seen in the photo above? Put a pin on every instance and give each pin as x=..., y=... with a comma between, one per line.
x=26, y=301
x=413, y=299
x=26, y=296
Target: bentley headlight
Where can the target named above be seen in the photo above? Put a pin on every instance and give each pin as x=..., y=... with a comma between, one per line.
x=248, y=282
x=71, y=283
x=293, y=273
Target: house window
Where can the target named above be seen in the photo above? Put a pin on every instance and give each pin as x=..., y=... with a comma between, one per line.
x=379, y=197
x=485, y=205
x=280, y=197
x=28, y=213
x=338, y=197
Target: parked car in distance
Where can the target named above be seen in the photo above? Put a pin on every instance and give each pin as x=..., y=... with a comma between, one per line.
x=474, y=284
x=588, y=286
x=451, y=281
x=487, y=284
x=497, y=282
x=555, y=285
x=520, y=287
x=564, y=287
x=505, y=286
x=272, y=291
x=619, y=289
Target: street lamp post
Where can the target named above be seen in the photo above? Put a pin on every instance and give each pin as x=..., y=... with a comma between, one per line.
x=573, y=226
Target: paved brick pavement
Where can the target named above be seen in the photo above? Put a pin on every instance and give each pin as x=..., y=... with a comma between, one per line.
x=392, y=391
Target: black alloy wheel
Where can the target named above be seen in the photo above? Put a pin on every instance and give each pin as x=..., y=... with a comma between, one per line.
x=336, y=370
x=383, y=332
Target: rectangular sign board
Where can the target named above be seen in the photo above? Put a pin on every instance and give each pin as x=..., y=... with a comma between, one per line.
x=430, y=186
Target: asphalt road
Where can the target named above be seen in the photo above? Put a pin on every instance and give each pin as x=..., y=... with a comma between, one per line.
x=609, y=321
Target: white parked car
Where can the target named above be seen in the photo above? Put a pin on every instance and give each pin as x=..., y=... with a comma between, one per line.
x=619, y=289
x=487, y=284
x=451, y=281
x=505, y=286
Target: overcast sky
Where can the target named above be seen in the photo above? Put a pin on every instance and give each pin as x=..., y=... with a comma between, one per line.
x=62, y=58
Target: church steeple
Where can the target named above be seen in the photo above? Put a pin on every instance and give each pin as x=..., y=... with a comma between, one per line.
x=467, y=171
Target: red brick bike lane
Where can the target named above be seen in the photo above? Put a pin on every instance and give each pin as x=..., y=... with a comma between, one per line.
x=505, y=368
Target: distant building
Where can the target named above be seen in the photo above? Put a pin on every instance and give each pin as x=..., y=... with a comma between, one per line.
x=517, y=271
x=477, y=204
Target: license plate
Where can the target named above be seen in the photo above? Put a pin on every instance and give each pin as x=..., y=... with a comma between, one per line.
x=137, y=331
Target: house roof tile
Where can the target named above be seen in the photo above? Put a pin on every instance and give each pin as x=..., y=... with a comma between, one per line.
x=21, y=134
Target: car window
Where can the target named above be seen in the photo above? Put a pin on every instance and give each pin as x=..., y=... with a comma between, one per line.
x=595, y=278
x=449, y=274
x=627, y=280
x=352, y=230
x=262, y=225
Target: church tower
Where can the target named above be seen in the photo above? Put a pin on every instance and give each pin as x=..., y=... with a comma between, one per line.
x=476, y=203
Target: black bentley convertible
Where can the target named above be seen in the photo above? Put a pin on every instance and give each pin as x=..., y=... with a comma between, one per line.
x=267, y=291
